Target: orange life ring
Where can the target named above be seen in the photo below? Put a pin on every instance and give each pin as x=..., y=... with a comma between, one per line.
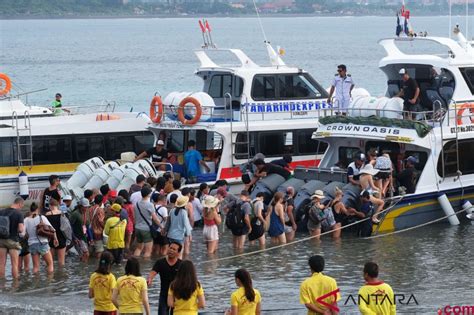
x=156, y=115
x=459, y=115
x=181, y=106
x=8, y=84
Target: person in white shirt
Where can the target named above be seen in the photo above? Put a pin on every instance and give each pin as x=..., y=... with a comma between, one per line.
x=197, y=209
x=176, y=191
x=342, y=84
x=160, y=243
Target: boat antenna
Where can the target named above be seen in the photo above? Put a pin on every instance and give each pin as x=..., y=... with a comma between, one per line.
x=260, y=22
x=450, y=20
x=467, y=20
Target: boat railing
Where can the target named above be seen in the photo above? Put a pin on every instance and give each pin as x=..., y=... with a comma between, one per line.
x=104, y=107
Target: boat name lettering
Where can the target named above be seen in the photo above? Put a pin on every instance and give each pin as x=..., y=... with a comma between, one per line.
x=279, y=107
x=353, y=128
x=469, y=128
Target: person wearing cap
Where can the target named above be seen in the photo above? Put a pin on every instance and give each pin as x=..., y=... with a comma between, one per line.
x=227, y=200
x=115, y=230
x=179, y=227
x=343, y=85
x=157, y=154
x=212, y=219
x=353, y=170
x=79, y=223
x=409, y=92
x=65, y=205
x=366, y=209
x=407, y=177
x=144, y=216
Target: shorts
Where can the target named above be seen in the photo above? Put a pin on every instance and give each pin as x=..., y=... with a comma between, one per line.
x=81, y=248
x=210, y=233
x=160, y=240
x=143, y=236
x=313, y=226
x=98, y=246
x=9, y=244
x=240, y=231
x=383, y=174
x=257, y=230
x=288, y=229
x=38, y=248
x=105, y=313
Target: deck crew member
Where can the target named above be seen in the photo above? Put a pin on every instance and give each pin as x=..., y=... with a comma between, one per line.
x=409, y=92
x=353, y=170
x=193, y=160
x=407, y=177
x=157, y=154
x=57, y=106
x=343, y=85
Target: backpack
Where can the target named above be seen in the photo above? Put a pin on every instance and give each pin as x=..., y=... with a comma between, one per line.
x=314, y=214
x=235, y=217
x=4, y=227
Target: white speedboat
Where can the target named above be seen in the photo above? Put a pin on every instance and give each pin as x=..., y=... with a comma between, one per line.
x=36, y=143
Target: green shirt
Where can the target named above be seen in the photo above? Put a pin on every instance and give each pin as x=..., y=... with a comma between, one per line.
x=78, y=224
x=57, y=107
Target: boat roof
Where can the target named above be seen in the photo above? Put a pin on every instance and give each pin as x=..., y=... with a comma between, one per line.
x=457, y=52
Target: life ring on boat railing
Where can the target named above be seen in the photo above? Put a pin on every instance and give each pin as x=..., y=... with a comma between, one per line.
x=7, y=85
x=197, y=105
x=156, y=115
x=459, y=114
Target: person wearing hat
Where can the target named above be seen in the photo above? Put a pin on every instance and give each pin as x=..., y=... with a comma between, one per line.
x=367, y=183
x=115, y=230
x=407, y=177
x=409, y=92
x=157, y=154
x=80, y=223
x=179, y=226
x=211, y=219
x=316, y=213
x=65, y=205
x=144, y=216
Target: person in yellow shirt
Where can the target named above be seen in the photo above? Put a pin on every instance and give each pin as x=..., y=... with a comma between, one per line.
x=131, y=291
x=245, y=300
x=316, y=286
x=115, y=230
x=186, y=294
x=375, y=296
x=101, y=285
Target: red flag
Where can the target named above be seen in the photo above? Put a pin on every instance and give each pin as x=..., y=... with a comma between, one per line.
x=208, y=27
x=406, y=14
x=203, y=29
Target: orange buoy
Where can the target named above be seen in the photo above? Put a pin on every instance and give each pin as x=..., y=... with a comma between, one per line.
x=459, y=116
x=197, y=105
x=7, y=85
x=156, y=109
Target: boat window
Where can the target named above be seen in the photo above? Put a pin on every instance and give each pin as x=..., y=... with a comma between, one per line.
x=307, y=145
x=346, y=155
x=297, y=86
x=7, y=155
x=175, y=141
x=89, y=146
x=450, y=158
x=51, y=150
x=263, y=87
x=275, y=143
x=116, y=144
x=238, y=86
x=220, y=85
x=468, y=75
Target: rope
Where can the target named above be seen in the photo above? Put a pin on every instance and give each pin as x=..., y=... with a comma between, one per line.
x=300, y=240
x=414, y=227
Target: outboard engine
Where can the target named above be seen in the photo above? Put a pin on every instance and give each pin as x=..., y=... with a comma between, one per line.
x=144, y=167
x=293, y=182
x=101, y=175
x=330, y=189
x=84, y=172
x=117, y=176
x=268, y=185
x=351, y=195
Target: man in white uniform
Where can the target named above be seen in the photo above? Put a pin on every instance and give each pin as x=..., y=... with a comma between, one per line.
x=343, y=84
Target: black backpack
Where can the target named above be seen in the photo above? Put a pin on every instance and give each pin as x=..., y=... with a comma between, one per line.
x=4, y=227
x=235, y=217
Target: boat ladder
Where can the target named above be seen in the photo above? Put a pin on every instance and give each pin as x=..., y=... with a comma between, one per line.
x=24, y=140
x=236, y=141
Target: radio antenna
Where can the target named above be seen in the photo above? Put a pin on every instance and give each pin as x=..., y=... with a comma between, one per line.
x=260, y=22
x=467, y=21
x=450, y=20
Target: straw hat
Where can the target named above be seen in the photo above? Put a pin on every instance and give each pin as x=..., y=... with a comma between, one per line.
x=182, y=201
x=369, y=169
x=318, y=194
x=210, y=202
